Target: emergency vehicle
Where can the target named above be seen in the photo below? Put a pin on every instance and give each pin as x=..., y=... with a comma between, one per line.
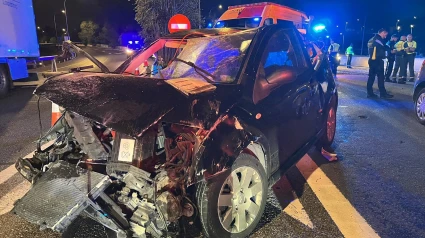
x=260, y=14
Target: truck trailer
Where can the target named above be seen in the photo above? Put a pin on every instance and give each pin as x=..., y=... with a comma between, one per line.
x=18, y=41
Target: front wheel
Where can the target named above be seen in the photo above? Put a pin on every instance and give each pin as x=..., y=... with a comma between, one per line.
x=420, y=107
x=232, y=203
x=4, y=81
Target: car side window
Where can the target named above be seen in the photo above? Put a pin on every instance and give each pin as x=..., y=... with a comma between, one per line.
x=278, y=65
x=279, y=55
x=268, y=22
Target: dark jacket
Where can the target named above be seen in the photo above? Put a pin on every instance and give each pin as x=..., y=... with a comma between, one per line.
x=390, y=47
x=377, y=48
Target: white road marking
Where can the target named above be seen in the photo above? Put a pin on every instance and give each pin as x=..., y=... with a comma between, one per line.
x=7, y=173
x=7, y=201
x=342, y=212
x=294, y=209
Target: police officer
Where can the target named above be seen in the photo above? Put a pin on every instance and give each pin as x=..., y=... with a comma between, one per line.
x=410, y=48
x=400, y=61
x=377, y=50
x=333, y=56
x=349, y=53
x=391, y=57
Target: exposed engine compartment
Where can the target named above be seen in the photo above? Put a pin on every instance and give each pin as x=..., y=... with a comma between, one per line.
x=147, y=178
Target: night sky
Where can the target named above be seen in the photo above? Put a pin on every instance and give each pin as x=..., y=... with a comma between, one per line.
x=379, y=14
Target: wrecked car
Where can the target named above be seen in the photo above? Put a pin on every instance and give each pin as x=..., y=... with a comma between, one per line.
x=226, y=114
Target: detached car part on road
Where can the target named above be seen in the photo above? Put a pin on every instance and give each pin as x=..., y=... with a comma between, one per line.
x=202, y=139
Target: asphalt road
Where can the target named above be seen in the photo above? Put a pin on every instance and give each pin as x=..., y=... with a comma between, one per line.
x=375, y=189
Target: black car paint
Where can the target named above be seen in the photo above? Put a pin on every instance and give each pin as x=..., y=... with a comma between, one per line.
x=132, y=104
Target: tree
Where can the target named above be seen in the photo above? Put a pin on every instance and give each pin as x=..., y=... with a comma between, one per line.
x=153, y=15
x=88, y=31
x=108, y=35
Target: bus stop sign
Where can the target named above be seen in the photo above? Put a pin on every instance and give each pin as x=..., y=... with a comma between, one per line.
x=178, y=22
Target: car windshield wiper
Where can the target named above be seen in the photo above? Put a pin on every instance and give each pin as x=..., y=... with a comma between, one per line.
x=204, y=74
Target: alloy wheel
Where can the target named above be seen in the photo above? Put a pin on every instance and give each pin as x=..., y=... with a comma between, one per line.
x=420, y=107
x=240, y=199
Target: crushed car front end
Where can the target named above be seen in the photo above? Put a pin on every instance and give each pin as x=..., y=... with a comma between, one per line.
x=129, y=151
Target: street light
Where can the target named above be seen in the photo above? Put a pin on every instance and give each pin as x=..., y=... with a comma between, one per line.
x=396, y=24
x=38, y=28
x=63, y=29
x=411, y=29
x=66, y=17
x=219, y=6
x=398, y=28
x=63, y=11
x=414, y=17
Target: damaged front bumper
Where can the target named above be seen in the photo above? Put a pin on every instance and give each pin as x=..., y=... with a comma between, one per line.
x=63, y=193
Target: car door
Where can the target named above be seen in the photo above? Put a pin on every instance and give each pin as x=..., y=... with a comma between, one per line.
x=283, y=93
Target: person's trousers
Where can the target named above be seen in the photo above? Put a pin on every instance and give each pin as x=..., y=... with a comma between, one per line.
x=389, y=70
x=411, y=63
x=376, y=69
x=396, y=67
x=333, y=62
x=349, y=58
x=400, y=65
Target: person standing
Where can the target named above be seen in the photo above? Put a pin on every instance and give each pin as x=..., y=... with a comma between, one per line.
x=400, y=62
x=410, y=48
x=333, y=56
x=349, y=53
x=377, y=51
x=391, y=57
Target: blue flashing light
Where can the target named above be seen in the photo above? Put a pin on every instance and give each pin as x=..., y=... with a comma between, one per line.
x=210, y=25
x=136, y=42
x=218, y=23
x=9, y=50
x=257, y=19
x=130, y=42
x=13, y=50
x=327, y=37
x=319, y=28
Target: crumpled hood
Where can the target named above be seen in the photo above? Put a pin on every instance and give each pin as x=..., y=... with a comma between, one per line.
x=128, y=104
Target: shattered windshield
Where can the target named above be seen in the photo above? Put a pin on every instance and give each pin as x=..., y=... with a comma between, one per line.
x=220, y=56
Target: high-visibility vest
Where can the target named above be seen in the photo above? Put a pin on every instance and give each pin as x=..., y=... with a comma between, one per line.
x=411, y=44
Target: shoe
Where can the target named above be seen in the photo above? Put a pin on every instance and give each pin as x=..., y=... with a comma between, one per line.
x=411, y=80
x=387, y=96
x=394, y=81
x=372, y=95
x=402, y=82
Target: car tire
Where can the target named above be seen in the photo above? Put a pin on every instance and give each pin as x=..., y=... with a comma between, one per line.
x=328, y=137
x=4, y=81
x=220, y=207
x=420, y=107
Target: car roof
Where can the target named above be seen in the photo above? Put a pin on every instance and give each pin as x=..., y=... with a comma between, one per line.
x=202, y=33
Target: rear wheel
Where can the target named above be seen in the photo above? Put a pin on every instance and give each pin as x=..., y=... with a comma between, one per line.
x=4, y=81
x=328, y=137
x=420, y=106
x=232, y=203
